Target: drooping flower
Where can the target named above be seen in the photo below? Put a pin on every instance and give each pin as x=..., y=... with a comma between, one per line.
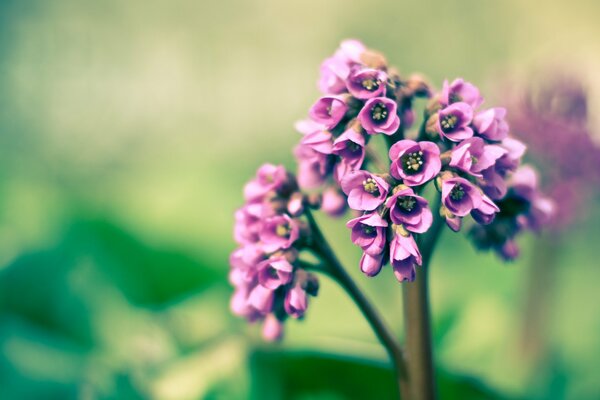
x=404, y=255
x=365, y=191
x=379, y=115
x=414, y=162
x=333, y=202
x=460, y=196
x=350, y=147
x=369, y=233
x=409, y=210
x=454, y=122
x=274, y=272
x=370, y=265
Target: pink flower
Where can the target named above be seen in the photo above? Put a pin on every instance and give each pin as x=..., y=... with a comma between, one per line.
x=279, y=232
x=491, y=124
x=414, y=163
x=379, y=115
x=454, y=122
x=365, y=191
x=350, y=147
x=333, y=202
x=460, y=91
x=473, y=156
x=367, y=83
x=369, y=233
x=409, y=210
x=272, y=329
x=404, y=254
x=296, y=301
x=274, y=272
x=328, y=111
x=269, y=178
x=370, y=265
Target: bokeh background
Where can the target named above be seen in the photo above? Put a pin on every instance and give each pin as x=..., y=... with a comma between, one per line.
x=127, y=130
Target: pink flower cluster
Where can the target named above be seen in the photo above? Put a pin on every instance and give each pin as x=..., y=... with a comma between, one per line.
x=464, y=149
x=268, y=283
x=362, y=97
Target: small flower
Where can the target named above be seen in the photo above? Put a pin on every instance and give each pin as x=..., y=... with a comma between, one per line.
x=279, y=232
x=274, y=272
x=334, y=72
x=365, y=191
x=491, y=125
x=248, y=222
x=369, y=233
x=371, y=265
x=486, y=211
x=269, y=179
x=367, y=83
x=261, y=299
x=454, y=120
x=313, y=167
x=460, y=91
x=328, y=111
x=460, y=196
x=333, y=202
x=409, y=210
x=350, y=147
x=378, y=115
x=414, y=163
x=272, y=329
x=473, y=156
x=404, y=254
x=524, y=184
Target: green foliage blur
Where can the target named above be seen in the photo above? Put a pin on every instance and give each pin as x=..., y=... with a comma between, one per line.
x=127, y=129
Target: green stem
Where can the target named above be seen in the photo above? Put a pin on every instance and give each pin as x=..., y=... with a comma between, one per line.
x=417, y=316
x=333, y=267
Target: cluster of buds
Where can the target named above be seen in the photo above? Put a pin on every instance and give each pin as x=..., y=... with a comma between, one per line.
x=269, y=284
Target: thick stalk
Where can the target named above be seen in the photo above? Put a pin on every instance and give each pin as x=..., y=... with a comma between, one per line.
x=417, y=323
x=335, y=269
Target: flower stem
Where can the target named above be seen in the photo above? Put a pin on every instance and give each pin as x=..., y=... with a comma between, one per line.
x=333, y=267
x=417, y=317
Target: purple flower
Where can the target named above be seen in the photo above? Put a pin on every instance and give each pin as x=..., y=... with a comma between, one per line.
x=248, y=222
x=404, y=254
x=369, y=233
x=278, y=232
x=307, y=126
x=460, y=196
x=334, y=72
x=351, y=51
x=371, y=265
x=460, y=91
x=486, y=211
x=333, y=202
x=275, y=272
x=378, y=115
x=328, y=111
x=313, y=167
x=261, y=299
x=414, y=163
x=491, y=124
x=454, y=121
x=524, y=184
x=367, y=83
x=272, y=328
x=296, y=300
x=269, y=178
x=365, y=191
x=493, y=182
x=473, y=156
x=409, y=210
x=350, y=147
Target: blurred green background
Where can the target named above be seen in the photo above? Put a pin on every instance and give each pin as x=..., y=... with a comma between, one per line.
x=127, y=129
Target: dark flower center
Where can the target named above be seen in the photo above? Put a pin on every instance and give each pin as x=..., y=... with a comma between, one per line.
x=457, y=193
x=379, y=112
x=449, y=122
x=273, y=272
x=370, y=186
x=367, y=229
x=353, y=147
x=412, y=162
x=407, y=203
x=370, y=84
x=282, y=230
x=454, y=98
